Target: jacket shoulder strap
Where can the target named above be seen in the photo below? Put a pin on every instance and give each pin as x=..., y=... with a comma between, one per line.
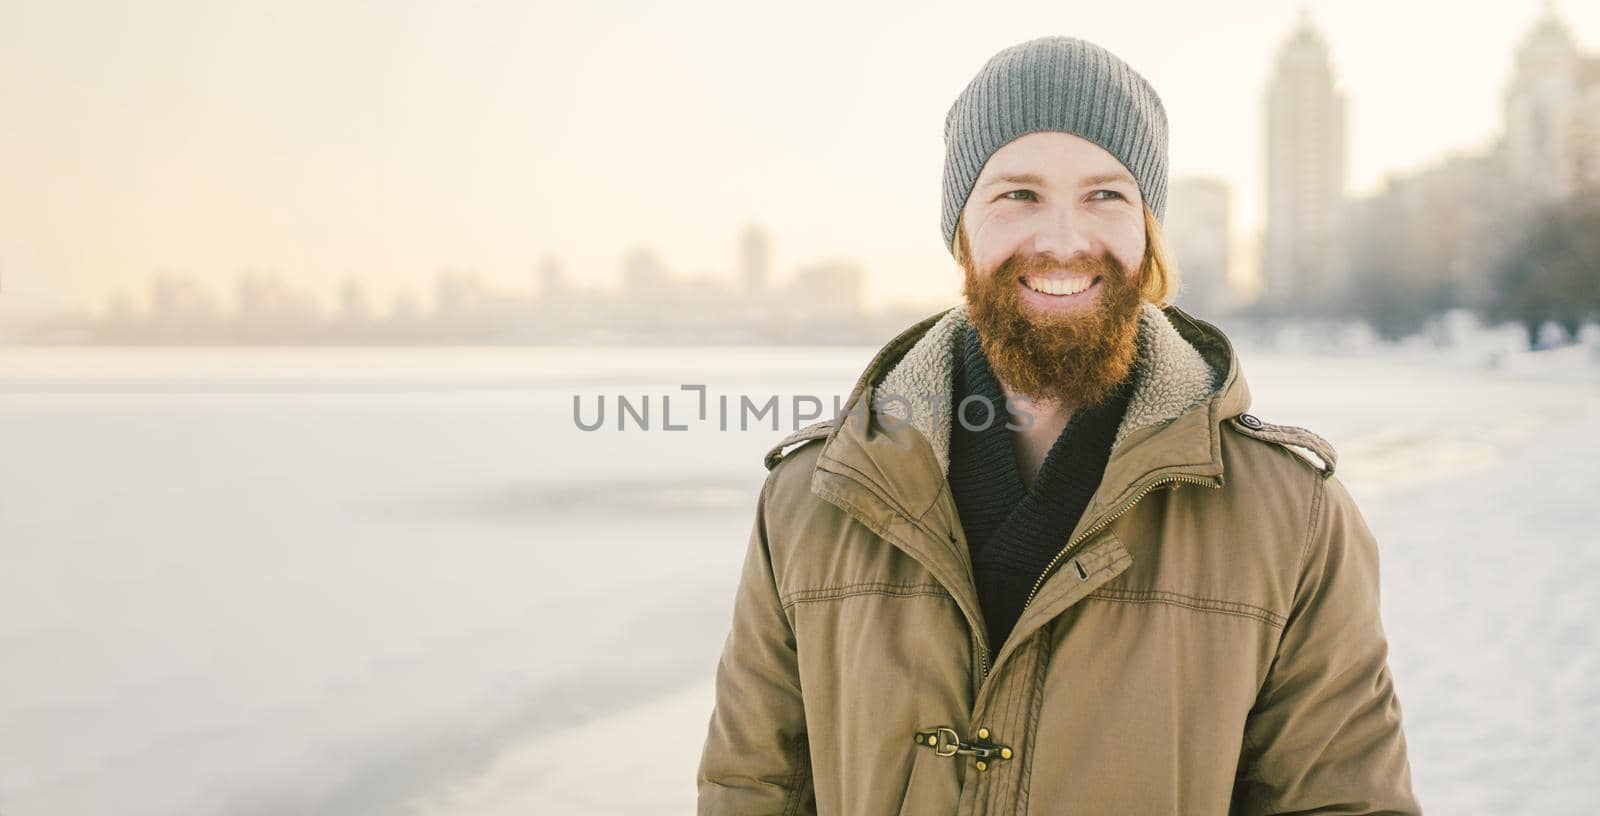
x=815, y=430
x=1291, y=437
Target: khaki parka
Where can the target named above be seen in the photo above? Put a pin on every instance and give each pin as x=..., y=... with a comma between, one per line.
x=1207, y=641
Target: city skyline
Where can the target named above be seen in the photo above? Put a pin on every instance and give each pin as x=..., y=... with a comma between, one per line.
x=817, y=302
x=59, y=256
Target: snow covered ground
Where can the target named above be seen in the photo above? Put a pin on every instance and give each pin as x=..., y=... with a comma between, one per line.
x=254, y=581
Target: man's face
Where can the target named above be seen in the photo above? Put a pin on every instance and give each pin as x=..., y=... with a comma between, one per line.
x=1056, y=240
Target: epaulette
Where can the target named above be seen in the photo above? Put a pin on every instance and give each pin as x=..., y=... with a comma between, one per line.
x=1291, y=437
x=815, y=430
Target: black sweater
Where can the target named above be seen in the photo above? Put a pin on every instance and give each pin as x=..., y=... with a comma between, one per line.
x=1014, y=532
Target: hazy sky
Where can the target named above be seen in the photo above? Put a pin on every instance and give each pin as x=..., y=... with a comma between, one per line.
x=387, y=141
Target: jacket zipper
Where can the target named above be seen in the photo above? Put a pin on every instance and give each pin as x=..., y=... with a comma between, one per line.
x=983, y=650
x=1073, y=544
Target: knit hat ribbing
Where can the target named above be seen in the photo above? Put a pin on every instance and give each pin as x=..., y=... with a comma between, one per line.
x=1062, y=84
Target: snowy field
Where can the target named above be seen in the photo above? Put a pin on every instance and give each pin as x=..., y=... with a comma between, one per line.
x=268, y=581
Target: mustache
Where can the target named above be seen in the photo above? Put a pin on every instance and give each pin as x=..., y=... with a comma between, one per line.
x=1104, y=265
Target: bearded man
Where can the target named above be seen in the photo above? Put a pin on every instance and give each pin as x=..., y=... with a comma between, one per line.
x=1045, y=562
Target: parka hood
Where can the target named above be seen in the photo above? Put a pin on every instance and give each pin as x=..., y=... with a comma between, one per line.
x=1171, y=375
x=1188, y=381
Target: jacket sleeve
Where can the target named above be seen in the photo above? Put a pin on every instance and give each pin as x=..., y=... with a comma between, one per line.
x=1325, y=734
x=756, y=758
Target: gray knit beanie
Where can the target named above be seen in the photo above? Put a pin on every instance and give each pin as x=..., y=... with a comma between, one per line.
x=1055, y=84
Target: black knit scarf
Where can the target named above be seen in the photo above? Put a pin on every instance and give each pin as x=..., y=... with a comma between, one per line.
x=1013, y=532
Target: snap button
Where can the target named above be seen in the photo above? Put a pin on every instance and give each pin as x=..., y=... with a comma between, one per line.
x=1249, y=421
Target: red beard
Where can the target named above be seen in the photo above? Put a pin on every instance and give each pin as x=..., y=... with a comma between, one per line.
x=1077, y=358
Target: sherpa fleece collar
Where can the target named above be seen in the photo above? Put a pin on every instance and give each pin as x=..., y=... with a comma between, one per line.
x=1171, y=377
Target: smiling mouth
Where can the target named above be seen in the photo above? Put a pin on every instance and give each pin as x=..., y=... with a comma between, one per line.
x=1060, y=287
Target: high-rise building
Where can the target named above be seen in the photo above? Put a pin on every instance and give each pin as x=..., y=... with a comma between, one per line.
x=1551, y=147
x=1197, y=227
x=755, y=253
x=552, y=278
x=354, y=305
x=1305, y=172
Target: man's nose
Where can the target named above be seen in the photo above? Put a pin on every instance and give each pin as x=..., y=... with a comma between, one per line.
x=1060, y=233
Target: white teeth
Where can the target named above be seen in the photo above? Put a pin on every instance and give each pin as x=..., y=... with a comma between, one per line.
x=1070, y=286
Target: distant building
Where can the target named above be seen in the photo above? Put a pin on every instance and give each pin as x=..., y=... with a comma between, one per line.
x=1552, y=114
x=28, y=297
x=643, y=272
x=1426, y=242
x=824, y=291
x=1305, y=172
x=755, y=259
x=405, y=309
x=1431, y=238
x=1586, y=129
x=552, y=278
x=1197, y=229
x=177, y=299
x=355, y=308
x=457, y=295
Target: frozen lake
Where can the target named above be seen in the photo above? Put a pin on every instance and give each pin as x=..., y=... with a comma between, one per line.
x=264, y=581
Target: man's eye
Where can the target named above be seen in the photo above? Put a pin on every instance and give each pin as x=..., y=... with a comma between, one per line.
x=1113, y=192
x=1023, y=192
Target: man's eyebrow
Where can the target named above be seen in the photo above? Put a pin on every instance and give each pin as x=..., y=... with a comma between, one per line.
x=1106, y=178
x=1029, y=178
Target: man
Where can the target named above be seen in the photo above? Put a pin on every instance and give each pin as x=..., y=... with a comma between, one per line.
x=1045, y=562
